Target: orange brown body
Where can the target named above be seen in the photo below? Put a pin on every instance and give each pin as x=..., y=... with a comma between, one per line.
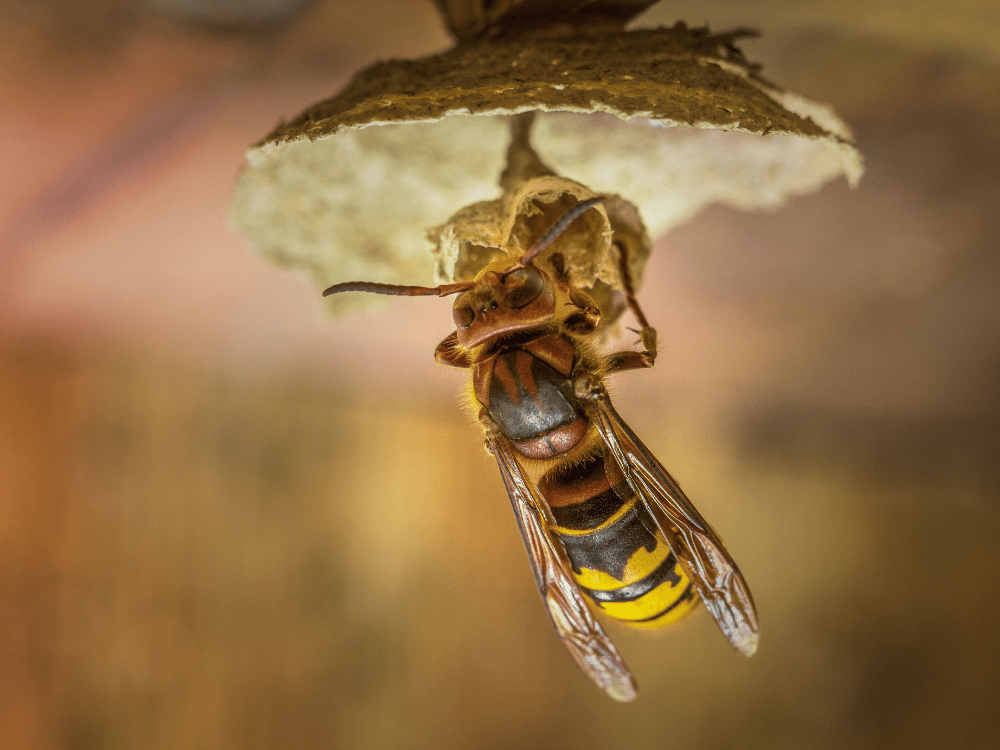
x=601, y=519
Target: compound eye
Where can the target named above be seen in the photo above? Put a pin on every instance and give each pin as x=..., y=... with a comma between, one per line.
x=463, y=316
x=524, y=285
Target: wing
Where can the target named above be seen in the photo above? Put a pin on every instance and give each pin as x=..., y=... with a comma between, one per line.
x=580, y=632
x=698, y=550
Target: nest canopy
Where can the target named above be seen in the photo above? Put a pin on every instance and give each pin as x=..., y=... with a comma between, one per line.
x=348, y=189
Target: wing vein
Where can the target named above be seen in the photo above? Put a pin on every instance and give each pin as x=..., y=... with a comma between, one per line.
x=580, y=632
x=696, y=546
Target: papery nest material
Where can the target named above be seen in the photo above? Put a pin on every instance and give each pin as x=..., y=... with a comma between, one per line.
x=348, y=189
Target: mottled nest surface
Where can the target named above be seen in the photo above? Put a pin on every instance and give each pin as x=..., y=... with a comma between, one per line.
x=681, y=75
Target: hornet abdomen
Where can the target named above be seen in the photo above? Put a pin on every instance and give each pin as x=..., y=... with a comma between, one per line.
x=618, y=556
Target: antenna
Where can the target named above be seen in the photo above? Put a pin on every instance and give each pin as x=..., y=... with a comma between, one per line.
x=399, y=290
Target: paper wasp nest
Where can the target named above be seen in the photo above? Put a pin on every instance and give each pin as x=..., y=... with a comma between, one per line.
x=670, y=120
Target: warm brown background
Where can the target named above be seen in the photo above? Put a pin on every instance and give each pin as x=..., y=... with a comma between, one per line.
x=228, y=523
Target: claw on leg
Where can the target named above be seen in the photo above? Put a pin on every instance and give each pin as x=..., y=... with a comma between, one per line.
x=648, y=338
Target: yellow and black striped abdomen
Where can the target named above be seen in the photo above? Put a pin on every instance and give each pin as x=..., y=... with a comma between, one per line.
x=620, y=559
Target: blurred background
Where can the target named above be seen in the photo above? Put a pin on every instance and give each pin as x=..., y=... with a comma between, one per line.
x=227, y=522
